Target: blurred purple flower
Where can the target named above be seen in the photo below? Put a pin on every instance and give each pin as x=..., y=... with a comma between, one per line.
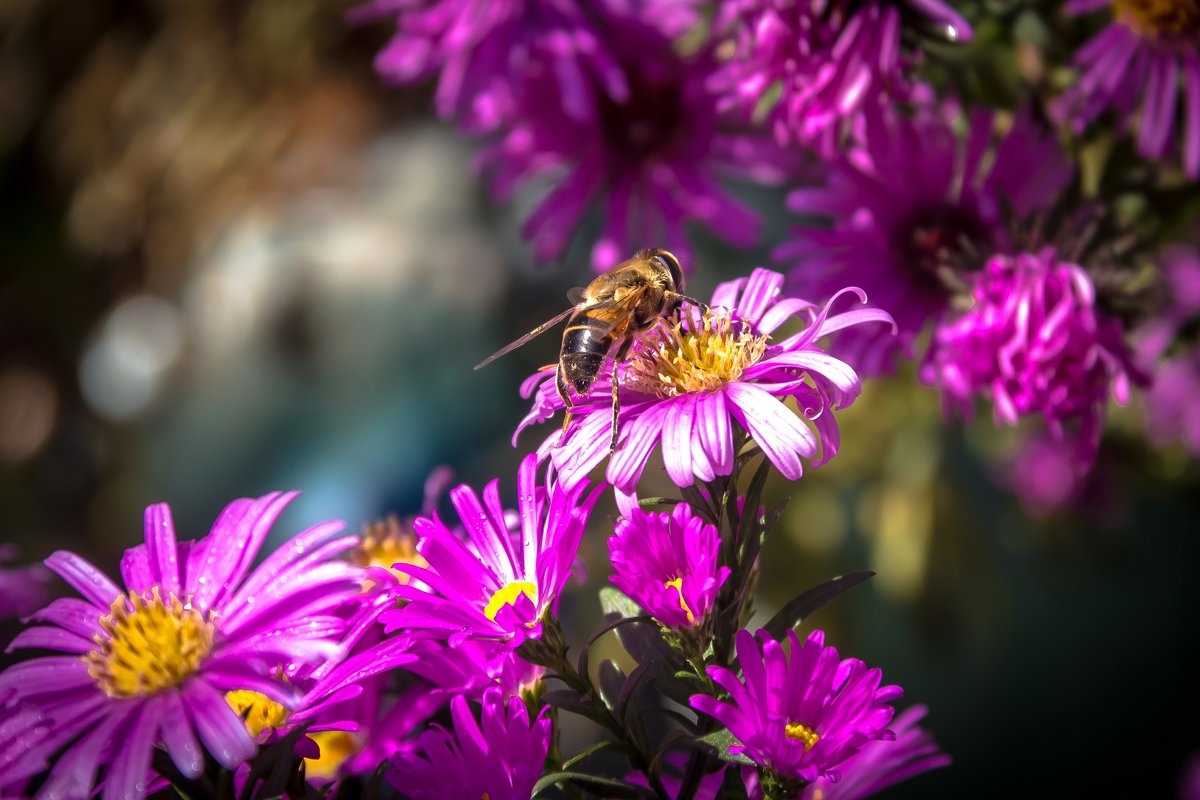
x=694, y=382
x=1043, y=474
x=800, y=715
x=22, y=589
x=1034, y=342
x=828, y=64
x=1142, y=66
x=1172, y=413
x=903, y=207
x=152, y=665
x=667, y=563
x=881, y=764
x=499, y=757
x=485, y=588
x=651, y=159
x=480, y=50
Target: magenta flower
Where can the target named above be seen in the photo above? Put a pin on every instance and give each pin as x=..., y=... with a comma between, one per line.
x=651, y=159
x=1172, y=413
x=883, y=763
x=499, y=757
x=694, y=384
x=800, y=715
x=22, y=589
x=481, y=50
x=1142, y=66
x=903, y=207
x=1035, y=343
x=667, y=563
x=151, y=665
x=828, y=64
x=492, y=587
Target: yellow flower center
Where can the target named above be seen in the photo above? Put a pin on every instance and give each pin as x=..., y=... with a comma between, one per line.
x=1159, y=17
x=678, y=584
x=677, y=358
x=336, y=747
x=385, y=543
x=801, y=733
x=259, y=711
x=507, y=595
x=153, y=647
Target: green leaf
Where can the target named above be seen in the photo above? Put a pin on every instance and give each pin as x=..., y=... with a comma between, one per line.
x=614, y=601
x=616, y=623
x=575, y=759
x=646, y=502
x=720, y=741
x=805, y=603
x=605, y=787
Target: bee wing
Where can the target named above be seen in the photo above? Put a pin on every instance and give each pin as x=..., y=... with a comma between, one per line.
x=536, y=331
x=575, y=295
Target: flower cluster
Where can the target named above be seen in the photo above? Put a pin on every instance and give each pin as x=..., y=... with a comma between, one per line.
x=1035, y=342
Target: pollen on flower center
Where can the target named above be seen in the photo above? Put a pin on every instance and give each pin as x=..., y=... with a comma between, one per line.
x=154, y=646
x=1159, y=17
x=257, y=710
x=507, y=595
x=677, y=584
x=681, y=356
x=386, y=543
x=801, y=733
x=335, y=747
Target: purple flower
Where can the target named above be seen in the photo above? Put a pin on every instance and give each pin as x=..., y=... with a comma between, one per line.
x=650, y=159
x=492, y=587
x=903, y=207
x=499, y=757
x=1035, y=343
x=1172, y=413
x=828, y=65
x=882, y=763
x=1142, y=66
x=667, y=563
x=694, y=383
x=481, y=50
x=800, y=715
x=150, y=665
x=22, y=589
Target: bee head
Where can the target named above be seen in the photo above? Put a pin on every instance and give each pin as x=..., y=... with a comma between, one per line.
x=668, y=260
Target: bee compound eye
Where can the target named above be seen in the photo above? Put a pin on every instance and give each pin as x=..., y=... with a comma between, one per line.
x=672, y=264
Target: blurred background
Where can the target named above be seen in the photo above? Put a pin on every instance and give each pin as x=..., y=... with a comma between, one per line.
x=233, y=260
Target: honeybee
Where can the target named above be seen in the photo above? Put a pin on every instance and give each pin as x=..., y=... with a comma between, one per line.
x=626, y=299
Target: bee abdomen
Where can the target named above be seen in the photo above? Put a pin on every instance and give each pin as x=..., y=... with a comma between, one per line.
x=584, y=347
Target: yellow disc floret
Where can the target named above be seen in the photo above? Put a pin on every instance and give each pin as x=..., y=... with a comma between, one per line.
x=1159, y=18
x=149, y=644
x=801, y=733
x=689, y=355
x=386, y=543
x=677, y=583
x=259, y=711
x=336, y=747
x=507, y=595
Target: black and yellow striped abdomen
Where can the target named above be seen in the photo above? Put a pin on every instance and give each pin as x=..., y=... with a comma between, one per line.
x=586, y=341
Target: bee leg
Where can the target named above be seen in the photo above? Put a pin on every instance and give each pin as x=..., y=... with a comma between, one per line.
x=561, y=386
x=616, y=403
x=677, y=298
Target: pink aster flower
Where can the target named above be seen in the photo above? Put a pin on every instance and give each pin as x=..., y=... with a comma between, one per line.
x=1143, y=66
x=480, y=50
x=1035, y=343
x=696, y=382
x=651, y=160
x=883, y=763
x=895, y=215
x=492, y=587
x=151, y=664
x=499, y=757
x=830, y=63
x=22, y=589
x=667, y=563
x=801, y=715
x=1172, y=413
